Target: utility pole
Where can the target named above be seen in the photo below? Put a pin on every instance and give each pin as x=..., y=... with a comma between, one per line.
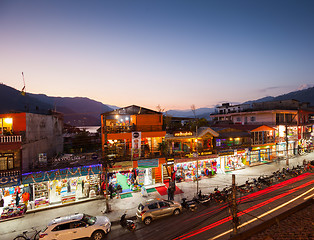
x=287, y=146
x=105, y=161
x=196, y=163
x=234, y=208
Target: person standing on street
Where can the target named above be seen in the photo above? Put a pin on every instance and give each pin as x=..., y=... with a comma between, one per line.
x=169, y=191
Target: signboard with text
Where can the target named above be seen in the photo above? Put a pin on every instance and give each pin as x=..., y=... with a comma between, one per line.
x=136, y=145
x=148, y=163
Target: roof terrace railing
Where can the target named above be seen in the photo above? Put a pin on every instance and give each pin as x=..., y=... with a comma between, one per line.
x=10, y=139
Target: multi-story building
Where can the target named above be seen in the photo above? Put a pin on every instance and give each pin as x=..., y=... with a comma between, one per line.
x=191, y=153
x=25, y=140
x=131, y=138
x=286, y=123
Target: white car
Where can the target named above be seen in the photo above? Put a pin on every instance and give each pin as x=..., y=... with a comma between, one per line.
x=77, y=226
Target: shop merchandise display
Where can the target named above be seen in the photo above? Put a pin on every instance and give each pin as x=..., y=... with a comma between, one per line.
x=41, y=195
x=13, y=205
x=13, y=211
x=188, y=171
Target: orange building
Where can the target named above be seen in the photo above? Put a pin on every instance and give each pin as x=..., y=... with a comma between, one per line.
x=130, y=140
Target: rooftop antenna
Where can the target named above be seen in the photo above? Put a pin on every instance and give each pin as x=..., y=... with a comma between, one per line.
x=23, y=92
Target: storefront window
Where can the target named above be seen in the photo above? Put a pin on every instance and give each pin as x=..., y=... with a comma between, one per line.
x=3, y=163
x=188, y=170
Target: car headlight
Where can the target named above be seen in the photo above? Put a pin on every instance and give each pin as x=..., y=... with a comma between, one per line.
x=105, y=225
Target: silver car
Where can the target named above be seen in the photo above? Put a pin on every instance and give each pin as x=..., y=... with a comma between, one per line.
x=77, y=226
x=152, y=209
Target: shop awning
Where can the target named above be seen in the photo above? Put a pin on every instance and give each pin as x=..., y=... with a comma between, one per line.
x=263, y=128
x=204, y=130
x=43, y=176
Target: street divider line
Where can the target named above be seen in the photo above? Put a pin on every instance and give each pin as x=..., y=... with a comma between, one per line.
x=264, y=214
x=224, y=220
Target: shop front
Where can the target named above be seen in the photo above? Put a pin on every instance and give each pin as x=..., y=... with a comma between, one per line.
x=281, y=149
x=126, y=176
x=121, y=177
x=146, y=171
x=187, y=169
x=262, y=154
x=233, y=159
x=63, y=185
x=10, y=188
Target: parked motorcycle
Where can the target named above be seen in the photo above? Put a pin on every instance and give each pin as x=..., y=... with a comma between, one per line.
x=202, y=198
x=128, y=224
x=189, y=205
x=219, y=197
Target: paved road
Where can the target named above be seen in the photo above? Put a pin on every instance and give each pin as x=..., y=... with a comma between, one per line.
x=12, y=228
x=210, y=222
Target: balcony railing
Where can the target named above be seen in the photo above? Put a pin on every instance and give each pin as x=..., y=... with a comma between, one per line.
x=124, y=129
x=10, y=139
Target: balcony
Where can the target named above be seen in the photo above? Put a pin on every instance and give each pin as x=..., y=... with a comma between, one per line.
x=11, y=139
x=133, y=128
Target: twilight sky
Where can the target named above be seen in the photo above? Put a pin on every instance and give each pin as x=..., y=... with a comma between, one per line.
x=148, y=53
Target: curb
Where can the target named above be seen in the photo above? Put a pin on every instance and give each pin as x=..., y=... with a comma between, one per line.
x=261, y=227
x=61, y=205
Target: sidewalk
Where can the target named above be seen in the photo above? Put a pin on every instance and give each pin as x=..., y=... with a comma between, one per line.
x=189, y=189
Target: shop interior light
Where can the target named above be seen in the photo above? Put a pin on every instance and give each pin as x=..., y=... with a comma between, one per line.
x=117, y=116
x=8, y=120
x=127, y=118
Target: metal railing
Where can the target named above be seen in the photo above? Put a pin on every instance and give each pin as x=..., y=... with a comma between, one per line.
x=10, y=139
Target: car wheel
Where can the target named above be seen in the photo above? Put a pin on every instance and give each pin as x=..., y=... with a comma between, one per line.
x=98, y=235
x=147, y=220
x=20, y=238
x=176, y=212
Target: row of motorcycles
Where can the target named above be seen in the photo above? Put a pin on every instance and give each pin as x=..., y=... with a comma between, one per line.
x=223, y=196
x=205, y=199
x=252, y=185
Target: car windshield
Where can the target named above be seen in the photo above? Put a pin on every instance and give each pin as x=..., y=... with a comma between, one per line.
x=140, y=207
x=90, y=220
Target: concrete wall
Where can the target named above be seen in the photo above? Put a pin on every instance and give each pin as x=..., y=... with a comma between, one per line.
x=260, y=117
x=43, y=135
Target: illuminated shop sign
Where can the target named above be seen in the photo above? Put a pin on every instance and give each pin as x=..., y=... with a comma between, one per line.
x=9, y=181
x=183, y=134
x=311, y=117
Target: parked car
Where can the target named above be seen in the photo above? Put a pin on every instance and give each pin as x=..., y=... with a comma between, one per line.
x=152, y=209
x=77, y=226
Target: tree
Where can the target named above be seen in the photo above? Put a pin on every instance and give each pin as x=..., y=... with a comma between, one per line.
x=163, y=148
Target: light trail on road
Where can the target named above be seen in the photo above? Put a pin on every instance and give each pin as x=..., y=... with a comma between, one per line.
x=264, y=214
x=255, y=195
x=224, y=220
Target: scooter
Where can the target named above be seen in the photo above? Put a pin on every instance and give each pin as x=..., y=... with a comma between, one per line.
x=189, y=205
x=202, y=198
x=128, y=224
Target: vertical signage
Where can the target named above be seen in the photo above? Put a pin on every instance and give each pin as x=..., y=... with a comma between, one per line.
x=136, y=145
